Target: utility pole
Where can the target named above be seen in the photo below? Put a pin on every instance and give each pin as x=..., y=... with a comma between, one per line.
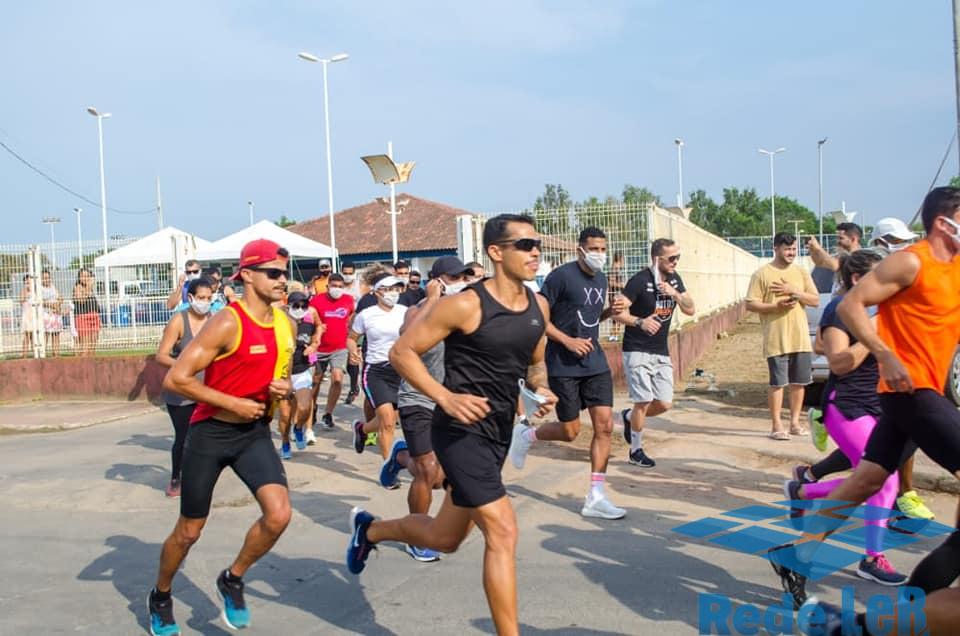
x=159, y=207
x=956, y=63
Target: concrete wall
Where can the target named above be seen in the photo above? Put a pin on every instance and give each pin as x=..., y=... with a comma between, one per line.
x=140, y=377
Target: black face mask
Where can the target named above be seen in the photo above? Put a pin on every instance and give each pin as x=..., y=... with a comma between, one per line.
x=324, y=273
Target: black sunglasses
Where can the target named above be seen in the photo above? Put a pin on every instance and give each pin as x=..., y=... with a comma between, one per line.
x=273, y=273
x=193, y=271
x=299, y=305
x=523, y=244
x=671, y=259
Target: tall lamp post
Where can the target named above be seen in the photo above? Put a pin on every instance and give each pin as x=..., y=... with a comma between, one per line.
x=103, y=209
x=386, y=171
x=250, y=210
x=773, y=205
x=679, y=143
x=339, y=57
x=52, y=221
x=820, y=184
x=79, y=238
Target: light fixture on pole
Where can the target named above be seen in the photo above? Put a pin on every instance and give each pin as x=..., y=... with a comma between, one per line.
x=79, y=238
x=250, y=210
x=103, y=209
x=679, y=143
x=820, y=184
x=309, y=57
x=385, y=171
x=52, y=221
x=773, y=196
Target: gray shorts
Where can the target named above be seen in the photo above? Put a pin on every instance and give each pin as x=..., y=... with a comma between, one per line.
x=333, y=360
x=649, y=376
x=790, y=368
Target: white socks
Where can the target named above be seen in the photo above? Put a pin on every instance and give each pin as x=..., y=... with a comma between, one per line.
x=636, y=440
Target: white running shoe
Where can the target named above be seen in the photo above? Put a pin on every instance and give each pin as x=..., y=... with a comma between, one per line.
x=311, y=438
x=519, y=446
x=601, y=508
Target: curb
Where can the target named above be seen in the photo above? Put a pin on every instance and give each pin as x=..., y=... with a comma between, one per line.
x=6, y=428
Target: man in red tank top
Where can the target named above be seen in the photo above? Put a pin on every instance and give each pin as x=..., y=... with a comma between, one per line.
x=245, y=351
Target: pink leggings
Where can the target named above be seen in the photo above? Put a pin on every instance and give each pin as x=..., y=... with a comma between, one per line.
x=851, y=437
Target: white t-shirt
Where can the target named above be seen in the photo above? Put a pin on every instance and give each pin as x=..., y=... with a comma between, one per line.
x=382, y=328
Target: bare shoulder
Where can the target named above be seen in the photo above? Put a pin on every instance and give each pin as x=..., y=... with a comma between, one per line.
x=544, y=304
x=899, y=267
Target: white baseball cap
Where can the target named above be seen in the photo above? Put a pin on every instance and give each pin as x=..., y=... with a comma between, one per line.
x=891, y=227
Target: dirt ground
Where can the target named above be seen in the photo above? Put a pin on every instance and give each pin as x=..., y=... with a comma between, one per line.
x=734, y=370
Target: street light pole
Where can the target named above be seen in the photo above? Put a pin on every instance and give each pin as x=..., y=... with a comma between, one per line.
x=52, y=221
x=309, y=57
x=103, y=209
x=250, y=209
x=679, y=143
x=773, y=196
x=820, y=187
x=79, y=238
x=393, y=206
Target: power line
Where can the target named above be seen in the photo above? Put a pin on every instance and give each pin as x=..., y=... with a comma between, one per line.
x=43, y=174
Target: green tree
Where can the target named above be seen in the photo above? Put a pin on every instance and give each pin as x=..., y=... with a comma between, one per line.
x=954, y=182
x=551, y=211
x=285, y=222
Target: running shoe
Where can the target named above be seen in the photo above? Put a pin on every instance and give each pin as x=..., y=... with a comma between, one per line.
x=173, y=490
x=793, y=583
x=162, y=622
x=791, y=489
x=601, y=508
x=371, y=439
x=391, y=467
x=800, y=474
x=519, y=446
x=359, y=548
x=423, y=555
x=910, y=503
x=818, y=432
x=351, y=396
x=326, y=422
x=832, y=622
x=627, y=432
x=311, y=437
x=285, y=451
x=299, y=438
x=639, y=458
x=358, y=437
x=235, y=612
x=880, y=571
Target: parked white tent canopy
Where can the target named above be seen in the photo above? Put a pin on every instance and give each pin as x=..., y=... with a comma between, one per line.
x=169, y=245
x=228, y=248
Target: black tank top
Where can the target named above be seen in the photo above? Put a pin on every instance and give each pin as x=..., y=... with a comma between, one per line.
x=305, y=332
x=489, y=361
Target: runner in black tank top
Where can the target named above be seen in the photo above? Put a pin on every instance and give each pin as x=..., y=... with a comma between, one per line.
x=494, y=336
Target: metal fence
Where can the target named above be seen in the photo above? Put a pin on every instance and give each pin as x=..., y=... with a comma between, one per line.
x=762, y=246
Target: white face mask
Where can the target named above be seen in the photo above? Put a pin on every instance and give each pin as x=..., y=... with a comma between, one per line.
x=193, y=276
x=956, y=234
x=348, y=278
x=298, y=314
x=594, y=260
x=450, y=289
x=202, y=307
x=335, y=292
x=390, y=298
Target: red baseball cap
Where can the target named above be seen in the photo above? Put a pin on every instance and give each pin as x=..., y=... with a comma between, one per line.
x=257, y=252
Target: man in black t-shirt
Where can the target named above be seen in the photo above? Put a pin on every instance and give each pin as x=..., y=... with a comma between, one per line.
x=652, y=296
x=577, y=367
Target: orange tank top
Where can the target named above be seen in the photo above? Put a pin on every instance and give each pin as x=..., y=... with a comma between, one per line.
x=922, y=322
x=260, y=354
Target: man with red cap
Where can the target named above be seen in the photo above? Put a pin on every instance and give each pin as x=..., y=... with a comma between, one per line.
x=245, y=353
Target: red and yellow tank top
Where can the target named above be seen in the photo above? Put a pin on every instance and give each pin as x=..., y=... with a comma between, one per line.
x=260, y=354
x=922, y=322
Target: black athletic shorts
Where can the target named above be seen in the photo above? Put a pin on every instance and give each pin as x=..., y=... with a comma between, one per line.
x=381, y=383
x=213, y=445
x=576, y=394
x=924, y=416
x=472, y=466
x=416, y=422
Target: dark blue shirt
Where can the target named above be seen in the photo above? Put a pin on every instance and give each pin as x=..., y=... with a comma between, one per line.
x=577, y=300
x=854, y=393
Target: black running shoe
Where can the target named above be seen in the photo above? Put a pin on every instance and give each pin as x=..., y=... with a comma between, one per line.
x=359, y=437
x=351, y=396
x=162, y=622
x=627, y=433
x=235, y=612
x=792, y=583
x=639, y=458
x=326, y=422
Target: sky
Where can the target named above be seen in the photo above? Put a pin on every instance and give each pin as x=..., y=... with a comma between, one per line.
x=493, y=100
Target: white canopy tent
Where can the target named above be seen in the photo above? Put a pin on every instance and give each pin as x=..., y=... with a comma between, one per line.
x=228, y=248
x=169, y=245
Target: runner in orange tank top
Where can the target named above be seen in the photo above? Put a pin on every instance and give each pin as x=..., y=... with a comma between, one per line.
x=246, y=351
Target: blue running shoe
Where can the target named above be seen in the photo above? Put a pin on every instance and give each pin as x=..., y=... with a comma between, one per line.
x=359, y=548
x=423, y=555
x=162, y=622
x=391, y=467
x=300, y=438
x=285, y=451
x=235, y=612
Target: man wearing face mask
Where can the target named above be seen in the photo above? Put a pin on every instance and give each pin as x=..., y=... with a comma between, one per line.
x=297, y=411
x=320, y=282
x=191, y=271
x=335, y=309
x=380, y=325
x=353, y=286
x=577, y=367
x=891, y=234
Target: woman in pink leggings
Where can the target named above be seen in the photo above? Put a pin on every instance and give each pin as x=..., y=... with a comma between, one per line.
x=851, y=413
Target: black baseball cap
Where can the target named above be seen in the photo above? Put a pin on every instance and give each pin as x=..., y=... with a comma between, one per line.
x=449, y=265
x=296, y=296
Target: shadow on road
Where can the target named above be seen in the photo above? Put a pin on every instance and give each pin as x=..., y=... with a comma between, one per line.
x=153, y=442
x=144, y=474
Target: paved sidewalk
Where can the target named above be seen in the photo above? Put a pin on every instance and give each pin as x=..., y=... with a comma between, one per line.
x=44, y=416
